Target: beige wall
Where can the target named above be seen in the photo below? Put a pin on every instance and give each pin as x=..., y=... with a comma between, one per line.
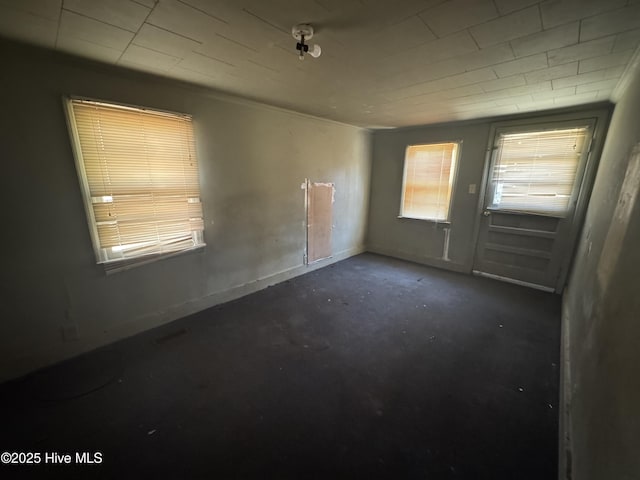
x=423, y=241
x=253, y=160
x=419, y=240
x=602, y=312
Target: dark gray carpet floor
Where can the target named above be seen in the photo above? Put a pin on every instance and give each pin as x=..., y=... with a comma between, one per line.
x=369, y=368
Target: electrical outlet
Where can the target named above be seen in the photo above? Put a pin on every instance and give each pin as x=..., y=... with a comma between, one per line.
x=472, y=188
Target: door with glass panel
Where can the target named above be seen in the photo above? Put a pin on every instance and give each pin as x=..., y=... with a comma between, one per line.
x=533, y=185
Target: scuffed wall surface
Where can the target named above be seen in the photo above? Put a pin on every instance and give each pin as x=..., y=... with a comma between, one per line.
x=417, y=239
x=602, y=311
x=424, y=241
x=252, y=161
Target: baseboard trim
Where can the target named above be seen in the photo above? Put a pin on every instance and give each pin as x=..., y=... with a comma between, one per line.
x=564, y=421
x=428, y=261
x=514, y=281
x=34, y=361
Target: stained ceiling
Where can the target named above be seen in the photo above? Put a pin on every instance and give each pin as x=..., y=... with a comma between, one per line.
x=384, y=63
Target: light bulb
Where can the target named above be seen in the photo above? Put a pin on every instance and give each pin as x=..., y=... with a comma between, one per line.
x=315, y=51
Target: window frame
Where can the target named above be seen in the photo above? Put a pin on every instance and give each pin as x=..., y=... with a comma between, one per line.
x=112, y=265
x=453, y=179
x=533, y=126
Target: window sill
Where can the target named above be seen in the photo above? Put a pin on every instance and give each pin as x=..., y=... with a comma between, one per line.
x=444, y=223
x=122, y=265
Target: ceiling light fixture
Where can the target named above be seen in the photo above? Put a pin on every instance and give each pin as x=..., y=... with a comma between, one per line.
x=302, y=32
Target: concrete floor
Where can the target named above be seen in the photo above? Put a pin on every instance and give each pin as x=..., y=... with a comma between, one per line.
x=369, y=368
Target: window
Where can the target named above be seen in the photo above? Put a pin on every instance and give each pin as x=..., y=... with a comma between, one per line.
x=535, y=171
x=428, y=181
x=139, y=176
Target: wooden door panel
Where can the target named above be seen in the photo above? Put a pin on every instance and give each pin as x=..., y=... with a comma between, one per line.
x=533, y=181
x=319, y=220
x=520, y=247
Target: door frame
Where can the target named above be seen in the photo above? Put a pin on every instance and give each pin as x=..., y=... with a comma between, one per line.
x=600, y=118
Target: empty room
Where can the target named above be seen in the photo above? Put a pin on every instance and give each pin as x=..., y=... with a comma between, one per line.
x=280, y=239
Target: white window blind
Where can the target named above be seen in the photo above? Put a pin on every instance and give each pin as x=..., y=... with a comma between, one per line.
x=428, y=181
x=534, y=172
x=140, y=179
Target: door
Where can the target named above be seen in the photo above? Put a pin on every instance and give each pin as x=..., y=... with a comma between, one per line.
x=319, y=220
x=528, y=219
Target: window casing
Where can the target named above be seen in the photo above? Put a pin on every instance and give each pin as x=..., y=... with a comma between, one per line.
x=428, y=181
x=534, y=170
x=139, y=175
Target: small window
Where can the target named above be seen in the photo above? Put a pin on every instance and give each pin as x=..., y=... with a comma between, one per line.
x=535, y=171
x=139, y=176
x=428, y=181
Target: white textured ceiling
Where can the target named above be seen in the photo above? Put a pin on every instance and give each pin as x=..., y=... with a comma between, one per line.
x=383, y=63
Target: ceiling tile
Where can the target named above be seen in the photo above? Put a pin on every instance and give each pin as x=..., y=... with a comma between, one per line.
x=84, y=28
x=522, y=65
x=575, y=99
x=541, y=86
x=509, y=100
x=611, y=22
x=518, y=91
x=457, y=15
x=380, y=63
x=514, y=25
x=503, y=83
x=164, y=41
x=508, y=6
x=182, y=19
x=48, y=9
x=460, y=64
x=284, y=14
x=205, y=65
x=120, y=13
x=337, y=5
x=408, y=33
x=461, y=91
x=536, y=105
x=41, y=31
x=432, y=98
x=615, y=72
x=227, y=50
x=192, y=76
x=581, y=51
x=557, y=37
x=562, y=92
x=605, y=94
x=627, y=41
x=146, y=3
x=559, y=12
x=495, y=111
x=423, y=73
x=573, y=80
x=601, y=85
x=248, y=29
x=559, y=71
x=87, y=49
x=606, y=61
x=437, y=50
x=453, y=81
x=144, y=57
x=487, y=56
x=387, y=13
x=484, y=105
x=220, y=10
x=478, y=96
